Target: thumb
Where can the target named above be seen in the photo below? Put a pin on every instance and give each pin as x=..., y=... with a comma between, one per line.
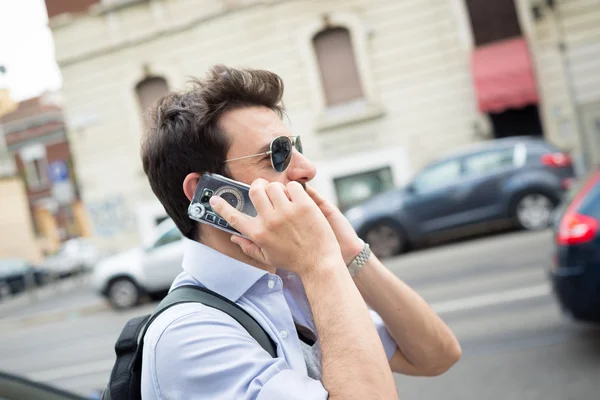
x=249, y=248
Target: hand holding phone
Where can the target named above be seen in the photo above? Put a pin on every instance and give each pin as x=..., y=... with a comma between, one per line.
x=233, y=192
x=289, y=230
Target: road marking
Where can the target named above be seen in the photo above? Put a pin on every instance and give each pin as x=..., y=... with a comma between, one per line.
x=89, y=368
x=470, y=303
x=444, y=307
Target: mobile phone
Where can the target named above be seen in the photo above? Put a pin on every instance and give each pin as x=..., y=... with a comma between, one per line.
x=233, y=192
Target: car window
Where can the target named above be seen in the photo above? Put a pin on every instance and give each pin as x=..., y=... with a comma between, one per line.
x=489, y=161
x=172, y=235
x=570, y=195
x=437, y=176
x=591, y=202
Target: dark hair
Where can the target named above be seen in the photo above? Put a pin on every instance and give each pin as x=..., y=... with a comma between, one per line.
x=185, y=136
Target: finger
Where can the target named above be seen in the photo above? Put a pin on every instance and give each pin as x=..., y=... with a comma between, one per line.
x=297, y=192
x=259, y=197
x=326, y=206
x=249, y=248
x=277, y=194
x=238, y=221
x=316, y=196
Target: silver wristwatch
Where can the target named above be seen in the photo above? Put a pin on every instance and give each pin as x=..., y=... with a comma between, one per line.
x=360, y=260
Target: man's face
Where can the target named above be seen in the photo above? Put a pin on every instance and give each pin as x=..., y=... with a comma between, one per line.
x=251, y=131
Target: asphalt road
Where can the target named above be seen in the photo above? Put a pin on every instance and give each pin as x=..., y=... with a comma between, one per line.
x=492, y=292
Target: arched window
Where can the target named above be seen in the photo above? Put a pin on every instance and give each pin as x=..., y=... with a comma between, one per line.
x=148, y=92
x=337, y=66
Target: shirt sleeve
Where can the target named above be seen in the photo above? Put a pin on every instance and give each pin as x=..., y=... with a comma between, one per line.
x=206, y=354
x=389, y=344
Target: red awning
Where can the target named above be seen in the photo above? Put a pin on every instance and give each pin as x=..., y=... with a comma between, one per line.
x=503, y=76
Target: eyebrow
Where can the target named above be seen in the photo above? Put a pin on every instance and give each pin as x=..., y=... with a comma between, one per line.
x=265, y=148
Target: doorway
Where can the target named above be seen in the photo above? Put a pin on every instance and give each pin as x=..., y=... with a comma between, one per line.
x=517, y=122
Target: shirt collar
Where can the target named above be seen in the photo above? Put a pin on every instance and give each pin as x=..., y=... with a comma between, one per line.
x=216, y=271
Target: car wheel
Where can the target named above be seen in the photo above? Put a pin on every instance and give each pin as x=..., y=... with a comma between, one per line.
x=384, y=240
x=533, y=211
x=123, y=293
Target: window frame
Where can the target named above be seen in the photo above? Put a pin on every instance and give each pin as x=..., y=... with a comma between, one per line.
x=370, y=107
x=363, y=176
x=329, y=97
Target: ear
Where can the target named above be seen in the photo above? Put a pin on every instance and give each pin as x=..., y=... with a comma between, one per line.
x=189, y=184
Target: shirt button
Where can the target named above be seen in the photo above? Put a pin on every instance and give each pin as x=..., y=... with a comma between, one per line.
x=271, y=284
x=290, y=276
x=283, y=334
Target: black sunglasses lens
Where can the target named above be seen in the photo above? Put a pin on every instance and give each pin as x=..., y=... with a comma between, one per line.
x=281, y=153
x=298, y=144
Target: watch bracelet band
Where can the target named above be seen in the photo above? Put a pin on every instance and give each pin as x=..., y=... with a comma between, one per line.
x=360, y=260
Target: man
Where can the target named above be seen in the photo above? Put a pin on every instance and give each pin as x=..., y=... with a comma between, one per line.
x=291, y=274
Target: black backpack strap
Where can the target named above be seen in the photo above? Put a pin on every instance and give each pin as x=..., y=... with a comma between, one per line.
x=197, y=294
x=125, y=377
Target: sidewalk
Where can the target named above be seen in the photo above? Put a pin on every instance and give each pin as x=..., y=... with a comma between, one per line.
x=68, y=298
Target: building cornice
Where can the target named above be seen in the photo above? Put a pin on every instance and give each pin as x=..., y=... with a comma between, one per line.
x=164, y=32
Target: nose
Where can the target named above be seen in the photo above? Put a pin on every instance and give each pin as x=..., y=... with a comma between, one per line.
x=301, y=169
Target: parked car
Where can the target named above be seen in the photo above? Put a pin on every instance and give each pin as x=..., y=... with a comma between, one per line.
x=575, y=271
x=74, y=256
x=518, y=179
x=13, y=387
x=16, y=275
x=125, y=278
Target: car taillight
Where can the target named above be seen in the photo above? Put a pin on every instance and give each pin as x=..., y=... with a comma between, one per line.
x=577, y=229
x=556, y=160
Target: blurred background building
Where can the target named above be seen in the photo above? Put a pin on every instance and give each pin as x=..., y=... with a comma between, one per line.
x=376, y=88
x=36, y=141
x=16, y=224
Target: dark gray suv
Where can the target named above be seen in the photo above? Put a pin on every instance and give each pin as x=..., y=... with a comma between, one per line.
x=514, y=180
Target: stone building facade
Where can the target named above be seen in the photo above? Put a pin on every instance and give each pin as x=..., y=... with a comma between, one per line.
x=376, y=88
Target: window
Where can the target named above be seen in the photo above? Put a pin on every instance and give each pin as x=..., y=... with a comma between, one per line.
x=485, y=162
x=172, y=235
x=591, y=202
x=35, y=166
x=352, y=190
x=437, y=176
x=340, y=78
x=35, y=173
x=148, y=92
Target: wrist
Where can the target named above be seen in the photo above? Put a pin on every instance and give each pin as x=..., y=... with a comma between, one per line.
x=352, y=250
x=360, y=260
x=323, y=269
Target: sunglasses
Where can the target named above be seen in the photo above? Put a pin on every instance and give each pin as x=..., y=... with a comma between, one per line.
x=280, y=150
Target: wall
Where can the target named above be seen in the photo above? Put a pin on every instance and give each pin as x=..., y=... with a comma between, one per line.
x=577, y=22
x=16, y=228
x=418, y=74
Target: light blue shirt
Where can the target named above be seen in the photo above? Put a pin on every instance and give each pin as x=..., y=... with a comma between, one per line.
x=192, y=351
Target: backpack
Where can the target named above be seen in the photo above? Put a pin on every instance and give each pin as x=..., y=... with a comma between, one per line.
x=126, y=376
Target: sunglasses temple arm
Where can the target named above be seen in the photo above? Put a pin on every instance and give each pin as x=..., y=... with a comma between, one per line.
x=253, y=155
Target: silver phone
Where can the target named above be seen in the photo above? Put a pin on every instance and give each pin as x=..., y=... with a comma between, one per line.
x=234, y=192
